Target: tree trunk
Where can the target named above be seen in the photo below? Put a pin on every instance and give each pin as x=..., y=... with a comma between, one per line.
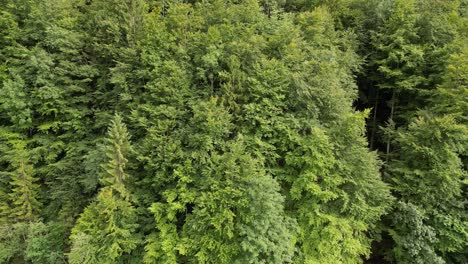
x=374, y=121
x=392, y=110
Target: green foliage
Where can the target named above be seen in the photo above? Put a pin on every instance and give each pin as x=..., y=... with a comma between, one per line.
x=429, y=173
x=399, y=57
x=14, y=103
x=248, y=123
x=45, y=243
x=13, y=243
x=22, y=203
x=451, y=96
x=230, y=221
x=107, y=229
x=34, y=242
x=118, y=147
x=225, y=220
x=414, y=240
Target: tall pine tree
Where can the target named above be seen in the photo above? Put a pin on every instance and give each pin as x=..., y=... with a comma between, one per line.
x=106, y=232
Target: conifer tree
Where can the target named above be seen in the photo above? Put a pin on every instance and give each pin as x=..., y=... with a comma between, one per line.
x=21, y=206
x=24, y=192
x=108, y=226
x=246, y=144
x=429, y=171
x=23, y=195
x=399, y=56
x=451, y=96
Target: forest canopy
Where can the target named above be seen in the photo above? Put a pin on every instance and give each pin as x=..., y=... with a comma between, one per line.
x=233, y=131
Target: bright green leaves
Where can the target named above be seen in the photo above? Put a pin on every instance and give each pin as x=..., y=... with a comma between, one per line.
x=322, y=66
x=428, y=169
x=23, y=236
x=45, y=243
x=24, y=189
x=118, y=147
x=309, y=163
x=223, y=208
x=436, y=141
x=106, y=231
x=451, y=97
x=236, y=205
x=335, y=194
x=290, y=96
x=163, y=245
x=83, y=250
x=23, y=200
x=232, y=214
x=397, y=53
x=415, y=57
x=365, y=196
x=211, y=124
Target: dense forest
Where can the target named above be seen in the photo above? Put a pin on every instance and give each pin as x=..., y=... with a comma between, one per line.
x=233, y=131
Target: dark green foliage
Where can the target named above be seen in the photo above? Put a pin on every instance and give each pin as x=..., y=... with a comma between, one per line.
x=34, y=242
x=418, y=52
x=414, y=240
x=248, y=131
x=428, y=172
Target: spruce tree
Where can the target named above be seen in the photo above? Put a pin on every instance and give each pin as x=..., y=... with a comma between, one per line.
x=22, y=203
x=109, y=224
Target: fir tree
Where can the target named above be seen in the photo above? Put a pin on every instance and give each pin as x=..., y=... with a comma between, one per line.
x=108, y=224
x=23, y=196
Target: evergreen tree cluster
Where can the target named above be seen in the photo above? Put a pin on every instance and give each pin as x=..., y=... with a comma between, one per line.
x=233, y=131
